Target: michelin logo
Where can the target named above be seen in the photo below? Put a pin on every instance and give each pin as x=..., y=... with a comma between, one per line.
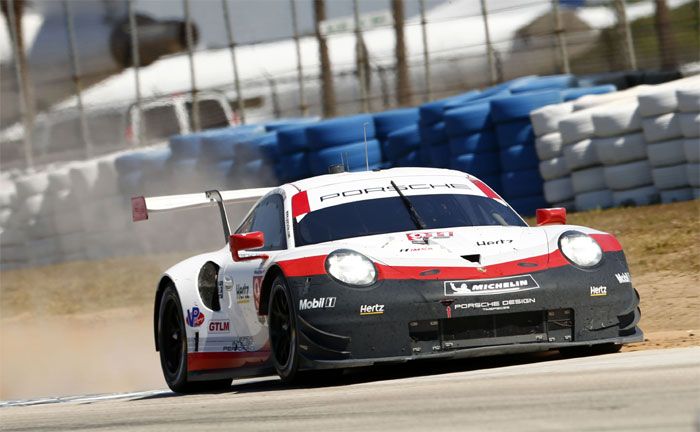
x=490, y=286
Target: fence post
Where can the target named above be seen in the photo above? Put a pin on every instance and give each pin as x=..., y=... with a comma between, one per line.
x=76, y=77
x=25, y=101
x=136, y=64
x=361, y=58
x=426, y=55
x=232, y=46
x=303, y=107
x=193, y=81
x=623, y=26
x=489, y=47
x=561, y=38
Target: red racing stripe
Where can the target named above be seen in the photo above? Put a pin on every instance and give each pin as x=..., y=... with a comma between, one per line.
x=315, y=265
x=199, y=361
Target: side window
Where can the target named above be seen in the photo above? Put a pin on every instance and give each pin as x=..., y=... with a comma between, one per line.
x=268, y=217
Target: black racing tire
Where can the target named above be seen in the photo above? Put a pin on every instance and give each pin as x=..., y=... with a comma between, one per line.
x=172, y=344
x=590, y=350
x=282, y=325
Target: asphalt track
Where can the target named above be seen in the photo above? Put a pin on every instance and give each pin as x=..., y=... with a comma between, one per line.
x=646, y=390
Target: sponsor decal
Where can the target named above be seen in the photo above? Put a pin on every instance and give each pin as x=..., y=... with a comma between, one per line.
x=257, y=287
x=242, y=293
x=599, y=291
x=448, y=310
x=495, y=305
x=195, y=317
x=493, y=242
x=317, y=303
x=375, y=309
x=286, y=223
x=220, y=286
x=490, y=286
x=238, y=344
x=219, y=326
x=390, y=189
x=623, y=277
x=417, y=249
x=422, y=237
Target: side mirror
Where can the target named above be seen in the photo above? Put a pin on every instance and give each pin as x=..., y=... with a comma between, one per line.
x=247, y=241
x=551, y=216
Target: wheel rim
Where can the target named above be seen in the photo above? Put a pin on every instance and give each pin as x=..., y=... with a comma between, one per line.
x=173, y=338
x=281, y=331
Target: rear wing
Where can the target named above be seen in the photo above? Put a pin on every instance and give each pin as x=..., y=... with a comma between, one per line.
x=141, y=206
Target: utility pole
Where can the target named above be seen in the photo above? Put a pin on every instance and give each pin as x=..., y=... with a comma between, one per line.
x=403, y=79
x=561, y=38
x=136, y=64
x=303, y=108
x=426, y=55
x=624, y=29
x=12, y=10
x=234, y=62
x=361, y=58
x=193, y=81
x=493, y=74
x=327, y=90
x=75, y=60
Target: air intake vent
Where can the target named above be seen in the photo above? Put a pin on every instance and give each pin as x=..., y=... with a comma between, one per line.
x=472, y=258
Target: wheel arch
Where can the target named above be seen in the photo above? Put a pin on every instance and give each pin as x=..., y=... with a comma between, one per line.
x=266, y=286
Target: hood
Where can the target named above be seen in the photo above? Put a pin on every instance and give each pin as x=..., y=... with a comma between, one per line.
x=453, y=247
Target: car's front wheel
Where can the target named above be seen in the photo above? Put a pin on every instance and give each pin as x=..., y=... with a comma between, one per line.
x=283, y=331
x=172, y=344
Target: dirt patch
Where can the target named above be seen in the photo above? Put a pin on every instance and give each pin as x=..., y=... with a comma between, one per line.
x=50, y=345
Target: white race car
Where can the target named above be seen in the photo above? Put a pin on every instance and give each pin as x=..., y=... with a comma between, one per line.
x=355, y=269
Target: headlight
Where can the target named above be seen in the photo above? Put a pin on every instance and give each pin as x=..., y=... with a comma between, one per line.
x=580, y=249
x=351, y=267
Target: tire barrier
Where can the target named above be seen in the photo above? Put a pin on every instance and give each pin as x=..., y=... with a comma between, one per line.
x=535, y=140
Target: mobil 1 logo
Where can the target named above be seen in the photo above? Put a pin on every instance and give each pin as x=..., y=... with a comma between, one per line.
x=317, y=303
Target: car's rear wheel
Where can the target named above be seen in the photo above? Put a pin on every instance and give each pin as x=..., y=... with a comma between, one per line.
x=283, y=331
x=590, y=350
x=172, y=344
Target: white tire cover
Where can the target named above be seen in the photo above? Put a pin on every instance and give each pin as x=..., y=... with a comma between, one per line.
x=6, y=197
x=545, y=120
x=12, y=236
x=589, y=101
x=83, y=178
x=568, y=205
x=558, y=190
x=31, y=185
x=617, y=120
x=30, y=207
x=666, y=153
x=576, y=127
x=661, y=128
x=691, y=149
x=628, y=176
x=660, y=100
x=548, y=146
x=581, y=155
x=671, y=177
x=554, y=168
x=59, y=180
x=588, y=180
x=676, y=195
x=690, y=124
x=621, y=149
x=594, y=200
x=693, y=173
x=107, y=181
x=644, y=195
x=15, y=254
x=688, y=99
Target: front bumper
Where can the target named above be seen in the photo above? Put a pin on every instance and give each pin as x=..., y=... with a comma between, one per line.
x=400, y=320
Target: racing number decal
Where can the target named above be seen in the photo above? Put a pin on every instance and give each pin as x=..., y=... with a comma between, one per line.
x=257, y=287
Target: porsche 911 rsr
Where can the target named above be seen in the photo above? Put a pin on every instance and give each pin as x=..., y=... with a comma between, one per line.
x=356, y=269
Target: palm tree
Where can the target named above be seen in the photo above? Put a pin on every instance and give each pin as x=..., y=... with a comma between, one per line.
x=403, y=79
x=327, y=90
x=667, y=46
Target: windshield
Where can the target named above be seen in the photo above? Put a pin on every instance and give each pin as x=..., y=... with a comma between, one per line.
x=387, y=215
